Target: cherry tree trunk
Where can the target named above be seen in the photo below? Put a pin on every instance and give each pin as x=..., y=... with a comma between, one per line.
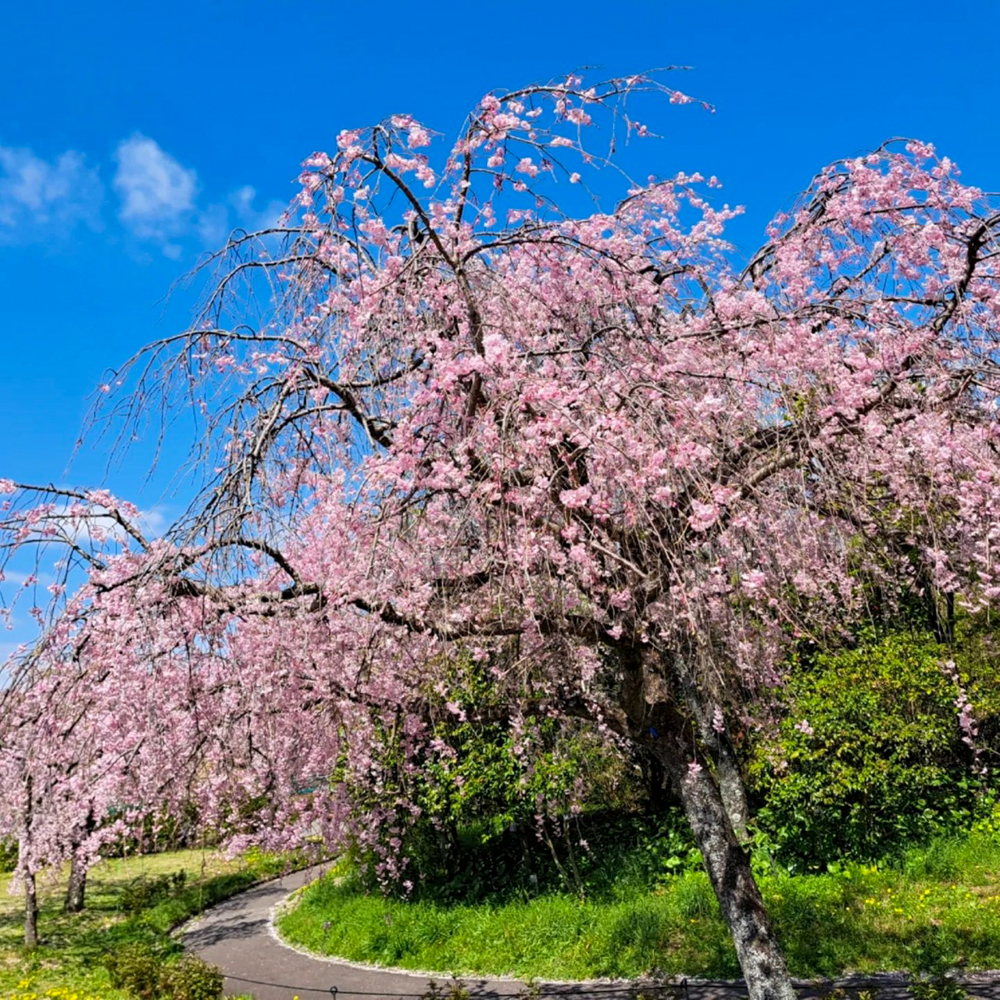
x=665, y=716
x=30, y=911
x=77, y=887
x=728, y=867
x=705, y=707
x=24, y=856
x=732, y=789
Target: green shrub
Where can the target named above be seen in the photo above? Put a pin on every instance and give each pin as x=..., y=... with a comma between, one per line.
x=937, y=988
x=191, y=978
x=870, y=757
x=137, y=969
x=8, y=855
x=498, y=804
x=143, y=892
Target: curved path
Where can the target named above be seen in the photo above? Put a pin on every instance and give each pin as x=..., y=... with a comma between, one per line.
x=239, y=937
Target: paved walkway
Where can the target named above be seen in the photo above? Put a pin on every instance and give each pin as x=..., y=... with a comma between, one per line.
x=239, y=937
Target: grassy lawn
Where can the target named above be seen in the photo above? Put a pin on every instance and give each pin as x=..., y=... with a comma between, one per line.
x=938, y=909
x=68, y=965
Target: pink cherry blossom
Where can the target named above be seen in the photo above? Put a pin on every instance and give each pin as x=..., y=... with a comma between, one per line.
x=592, y=456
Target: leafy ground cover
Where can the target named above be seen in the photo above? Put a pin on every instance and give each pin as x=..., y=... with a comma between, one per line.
x=937, y=908
x=68, y=965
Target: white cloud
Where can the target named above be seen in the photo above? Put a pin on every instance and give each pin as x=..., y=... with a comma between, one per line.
x=39, y=197
x=253, y=218
x=19, y=579
x=155, y=521
x=217, y=220
x=158, y=199
x=157, y=193
x=92, y=530
x=213, y=226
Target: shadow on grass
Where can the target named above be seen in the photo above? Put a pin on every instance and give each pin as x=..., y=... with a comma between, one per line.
x=82, y=940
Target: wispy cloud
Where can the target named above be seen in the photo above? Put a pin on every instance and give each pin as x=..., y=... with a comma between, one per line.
x=249, y=215
x=40, y=198
x=158, y=199
x=239, y=210
x=155, y=521
x=157, y=193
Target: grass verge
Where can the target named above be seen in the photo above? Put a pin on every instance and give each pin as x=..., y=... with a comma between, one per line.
x=68, y=964
x=937, y=909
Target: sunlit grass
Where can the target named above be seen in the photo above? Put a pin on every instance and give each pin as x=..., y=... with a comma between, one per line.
x=938, y=909
x=68, y=961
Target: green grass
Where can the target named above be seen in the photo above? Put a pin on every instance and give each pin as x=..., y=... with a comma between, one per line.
x=937, y=909
x=67, y=965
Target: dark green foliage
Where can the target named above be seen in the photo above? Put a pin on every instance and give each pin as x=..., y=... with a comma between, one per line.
x=937, y=988
x=500, y=802
x=8, y=855
x=594, y=856
x=135, y=967
x=143, y=893
x=503, y=819
x=613, y=854
x=871, y=757
x=191, y=978
x=869, y=760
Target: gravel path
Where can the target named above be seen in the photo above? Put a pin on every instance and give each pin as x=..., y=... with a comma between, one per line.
x=239, y=937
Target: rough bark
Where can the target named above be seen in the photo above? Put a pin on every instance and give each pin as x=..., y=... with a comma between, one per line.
x=663, y=725
x=30, y=911
x=729, y=871
x=77, y=887
x=76, y=890
x=24, y=854
x=732, y=789
x=704, y=704
x=942, y=614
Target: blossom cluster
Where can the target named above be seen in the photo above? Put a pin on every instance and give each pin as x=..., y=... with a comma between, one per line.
x=548, y=445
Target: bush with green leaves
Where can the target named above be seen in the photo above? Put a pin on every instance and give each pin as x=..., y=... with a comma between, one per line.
x=871, y=756
x=502, y=810
x=136, y=968
x=143, y=892
x=8, y=855
x=495, y=802
x=191, y=978
x=937, y=988
x=139, y=970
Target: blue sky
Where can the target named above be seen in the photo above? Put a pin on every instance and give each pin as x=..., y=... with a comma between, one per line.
x=132, y=135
